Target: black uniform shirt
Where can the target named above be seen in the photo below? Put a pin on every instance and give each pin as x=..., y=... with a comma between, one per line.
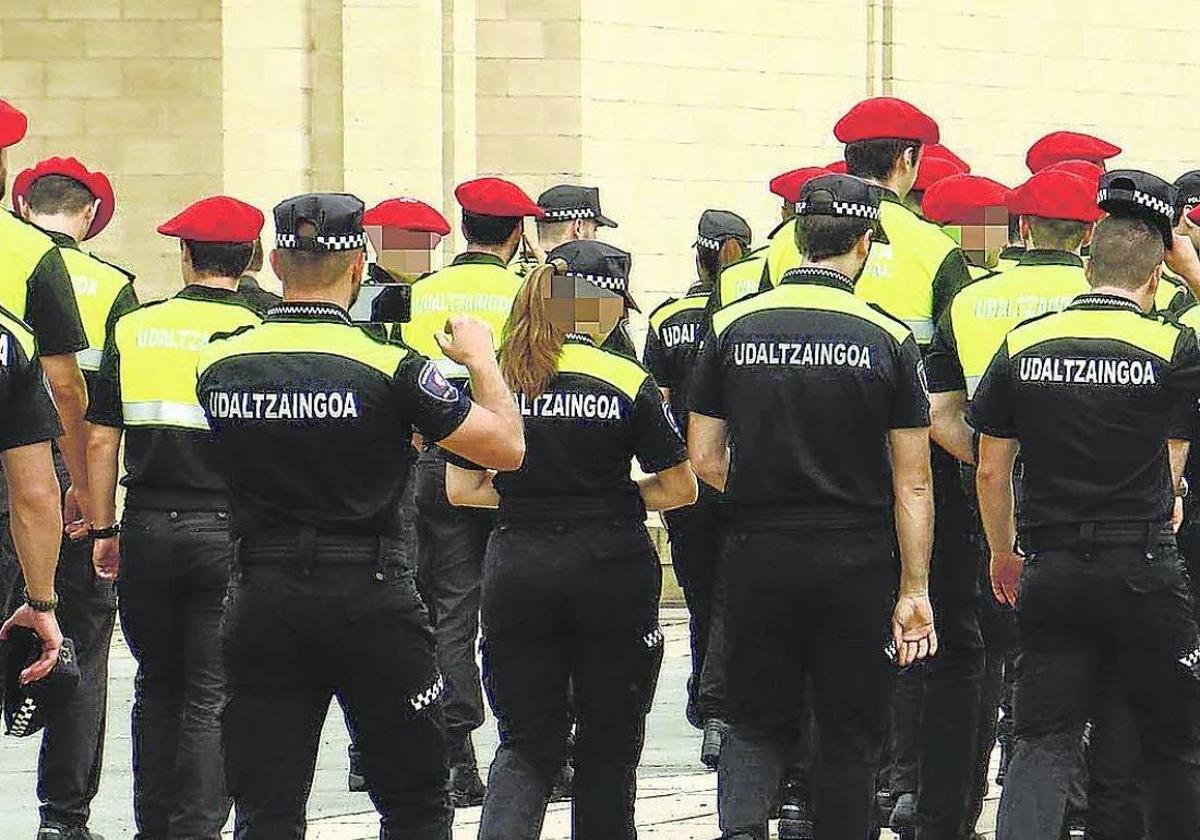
x=676, y=332
x=27, y=414
x=810, y=379
x=600, y=411
x=313, y=417
x=1092, y=393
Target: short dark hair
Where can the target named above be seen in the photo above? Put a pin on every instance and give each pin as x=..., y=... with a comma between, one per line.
x=220, y=259
x=1061, y=234
x=1125, y=251
x=488, y=230
x=53, y=194
x=877, y=158
x=256, y=257
x=821, y=237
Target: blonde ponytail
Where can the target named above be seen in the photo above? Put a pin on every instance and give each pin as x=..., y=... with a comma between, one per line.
x=531, y=343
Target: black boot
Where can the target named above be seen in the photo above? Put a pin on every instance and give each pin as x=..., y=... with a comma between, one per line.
x=795, y=812
x=904, y=816
x=58, y=831
x=466, y=787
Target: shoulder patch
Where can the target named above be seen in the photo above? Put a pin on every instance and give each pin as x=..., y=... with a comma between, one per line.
x=431, y=381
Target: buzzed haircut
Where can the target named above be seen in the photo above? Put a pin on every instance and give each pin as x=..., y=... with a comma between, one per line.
x=821, y=237
x=313, y=269
x=220, y=259
x=488, y=230
x=877, y=158
x=51, y=195
x=1125, y=252
x=552, y=230
x=1059, y=234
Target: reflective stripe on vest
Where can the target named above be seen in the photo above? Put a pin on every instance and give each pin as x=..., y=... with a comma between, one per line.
x=89, y=358
x=96, y=287
x=159, y=346
x=899, y=273
x=984, y=312
x=782, y=253
x=22, y=247
x=483, y=290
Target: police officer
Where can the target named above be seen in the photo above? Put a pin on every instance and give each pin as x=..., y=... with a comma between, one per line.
x=570, y=596
x=937, y=162
x=724, y=260
x=973, y=208
x=62, y=197
x=312, y=417
x=172, y=548
x=799, y=395
x=570, y=213
x=1173, y=295
x=36, y=288
x=452, y=541
x=1103, y=597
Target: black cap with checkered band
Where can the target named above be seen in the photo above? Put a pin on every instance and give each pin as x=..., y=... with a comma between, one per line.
x=320, y=222
x=1188, y=185
x=838, y=195
x=716, y=226
x=1131, y=192
x=600, y=264
x=567, y=202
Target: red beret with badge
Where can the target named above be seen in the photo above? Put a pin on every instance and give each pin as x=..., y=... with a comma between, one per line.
x=932, y=169
x=496, y=197
x=1055, y=194
x=962, y=199
x=217, y=218
x=787, y=186
x=13, y=125
x=1058, y=146
x=409, y=214
x=885, y=117
x=97, y=184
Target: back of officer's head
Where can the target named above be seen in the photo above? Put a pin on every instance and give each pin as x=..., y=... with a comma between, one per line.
x=492, y=231
x=217, y=259
x=1057, y=234
x=312, y=271
x=823, y=237
x=1126, y=253
x=58, y=195
x=877, y=159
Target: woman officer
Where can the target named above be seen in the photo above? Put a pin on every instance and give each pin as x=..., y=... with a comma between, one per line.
x=571, y=580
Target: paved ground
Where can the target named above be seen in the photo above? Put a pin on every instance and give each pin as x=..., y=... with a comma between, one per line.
x=675, y=799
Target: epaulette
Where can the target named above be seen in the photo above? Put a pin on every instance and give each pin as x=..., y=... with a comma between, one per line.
x=121, y=269
x=230, y=334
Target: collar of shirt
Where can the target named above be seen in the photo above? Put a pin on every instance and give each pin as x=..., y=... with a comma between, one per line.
x=885, y=194
x=309, y=311
x=469, y=257
x=1099, y=300
x=1049, y=256
x=699, y=288
x=63, y=240
x=819, y=276
x=1012, y=252
x=580, y=338
x=195, y=291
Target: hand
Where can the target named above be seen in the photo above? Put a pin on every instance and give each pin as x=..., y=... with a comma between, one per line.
x=76, y=520
x=45, y=625
x=1177, y=515
x=106, y=558
x=466, y=340
x=1006, y=575
x=1182, y=259
x=533, y=249
x=912, y=628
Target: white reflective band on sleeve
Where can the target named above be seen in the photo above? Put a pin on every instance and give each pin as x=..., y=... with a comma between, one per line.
x=972, y=385
x=451, y=369
x=189, y=416
x=922, y=329
x=89, y=358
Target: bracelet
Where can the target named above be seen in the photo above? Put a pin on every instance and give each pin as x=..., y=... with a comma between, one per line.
x=41, y=606
x=1182, y=489
x=105, y=533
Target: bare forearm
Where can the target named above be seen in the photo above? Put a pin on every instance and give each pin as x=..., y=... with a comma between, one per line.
x=70, y=396
x=950, y=430
x=35, y=510
x=489, y=390
x=1178, y=451
x=997, y=508
x=104, y=445
x=914, y=533
x=668, y=490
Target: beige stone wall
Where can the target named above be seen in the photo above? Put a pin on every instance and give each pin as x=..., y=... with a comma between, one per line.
x=129, y=86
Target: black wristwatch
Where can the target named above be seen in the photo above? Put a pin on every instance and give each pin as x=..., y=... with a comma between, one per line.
x=41, y=606
x=105, y=533
x=1182, y=488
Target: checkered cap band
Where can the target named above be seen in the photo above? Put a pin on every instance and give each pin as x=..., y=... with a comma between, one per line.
x=613, y=284
x=844, y=208
x=710, y=244
x=345, y=242
x=569, y=214
x=1158, y=205
x=22, y=721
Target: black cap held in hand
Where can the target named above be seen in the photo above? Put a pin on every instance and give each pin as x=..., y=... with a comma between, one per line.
x=838, y=195
x=27, y=707
x=716, y=226
x=568, y=202
x=1137, y=194
x=335, y=219
x=601, y=264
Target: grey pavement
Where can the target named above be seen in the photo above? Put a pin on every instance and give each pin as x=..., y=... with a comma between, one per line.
x=676, y=799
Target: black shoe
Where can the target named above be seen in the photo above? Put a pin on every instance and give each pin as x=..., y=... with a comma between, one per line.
x=466, y=788
x=795, y=818
x=904, y=815
x=710, y=745
x=564, y=784
x=885, y=803
x=58, y=831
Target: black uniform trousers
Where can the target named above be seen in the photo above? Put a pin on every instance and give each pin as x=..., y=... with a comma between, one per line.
x=1105, y=609
x=310, y=617
x=695, y=534
x=172, y=583
x=451, y=542
x=570, y=629
x=807, y=608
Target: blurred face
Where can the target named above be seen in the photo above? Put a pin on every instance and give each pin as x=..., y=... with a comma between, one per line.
x=404, y=254
x=984, y=239
x=575, y=305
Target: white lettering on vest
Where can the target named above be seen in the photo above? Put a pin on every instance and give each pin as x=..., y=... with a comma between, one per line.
x=288, y=405
x=1086, y=371
x=172, y=339
x=558, y=405
x=802, y=354
x=675, y=334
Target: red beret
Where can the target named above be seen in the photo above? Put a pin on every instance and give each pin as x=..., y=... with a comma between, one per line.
x=933, y=169
x=940, y=151
x=496, y=197
x=217, y=218
x=1085, y=169
x=13, y=124
x=407, y=214
x=886, y=117
x=838, y=167
x=1068, y=145
x=787, y=186
x=1194, y=216
x=1056, y=194
x=961, y=199
x=97, y=184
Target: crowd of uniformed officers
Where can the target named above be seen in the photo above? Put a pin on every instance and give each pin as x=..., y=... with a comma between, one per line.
x=923, y=460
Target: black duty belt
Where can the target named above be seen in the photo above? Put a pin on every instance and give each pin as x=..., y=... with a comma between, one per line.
x=305, y=548
x=1086, y=536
